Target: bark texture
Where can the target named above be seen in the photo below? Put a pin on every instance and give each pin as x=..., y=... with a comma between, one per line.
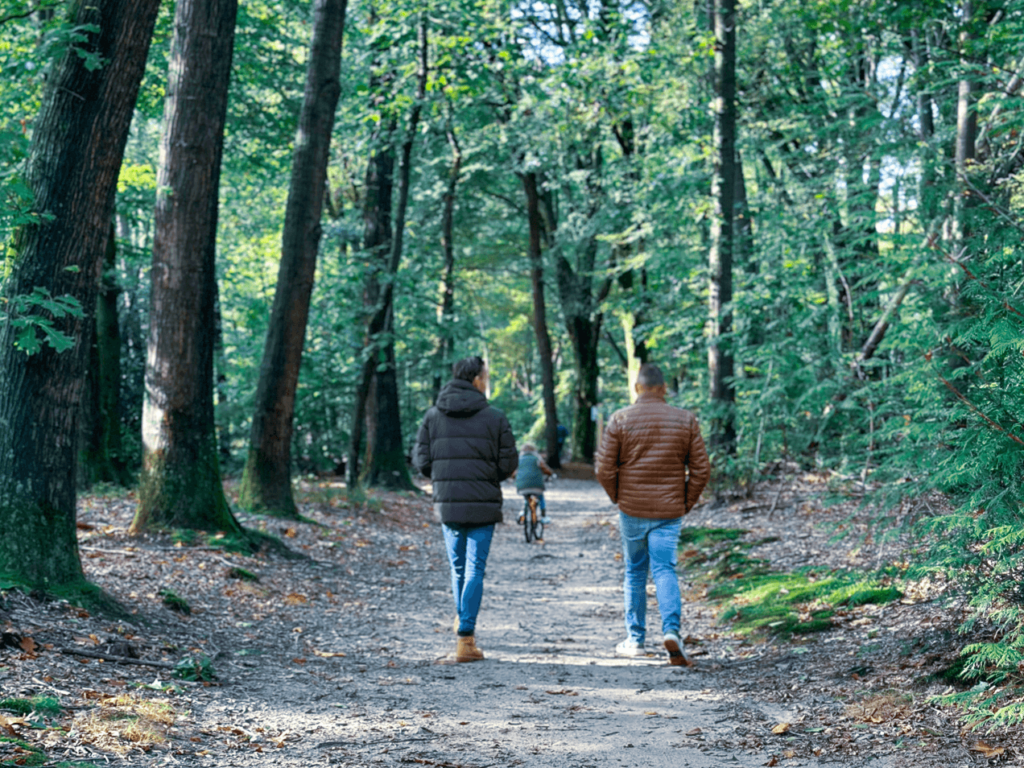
x=180, y=486
x=721, y=364
x=266, y=481
x=78, y=142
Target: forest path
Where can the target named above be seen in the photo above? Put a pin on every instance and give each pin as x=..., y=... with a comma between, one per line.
x=549, y=693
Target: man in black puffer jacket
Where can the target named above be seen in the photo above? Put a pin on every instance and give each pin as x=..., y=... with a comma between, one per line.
x=466, y=448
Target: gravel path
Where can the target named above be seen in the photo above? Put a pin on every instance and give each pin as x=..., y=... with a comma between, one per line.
x=550, y=692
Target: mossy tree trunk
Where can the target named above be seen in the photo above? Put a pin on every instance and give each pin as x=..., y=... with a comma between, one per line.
x=180, y=485
x=266, y=481
x=77, y=145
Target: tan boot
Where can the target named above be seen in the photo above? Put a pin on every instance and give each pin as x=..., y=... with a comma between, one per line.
x=466, y=650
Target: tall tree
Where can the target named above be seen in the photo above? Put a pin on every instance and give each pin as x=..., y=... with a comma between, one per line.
x=385, y=464
x=180, y=485
x=536, y=225
x=446, y=341
x=266, y=481
x=77, y=145
x=723, y=192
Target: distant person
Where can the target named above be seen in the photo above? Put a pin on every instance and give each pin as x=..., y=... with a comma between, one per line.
x=561, y=435
x=466, y=447
x=653, y=464
x=530, y=478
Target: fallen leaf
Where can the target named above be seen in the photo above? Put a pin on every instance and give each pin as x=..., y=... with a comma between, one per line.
x=772, y=762
x=986, y=750
x=291, y=533
x=28, y=645
x=694, y=731
x=563, y=692
x=328, y=654
x=781, y=728
x=9, y=723
x=298, y=661
x=789, y=753
x=296, y=599
x=650, y=712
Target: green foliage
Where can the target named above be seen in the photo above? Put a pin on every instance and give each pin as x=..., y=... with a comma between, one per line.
x=236, y=572
x=195, y=668
x=34, y=329
x=44, y=705
x=169, y=598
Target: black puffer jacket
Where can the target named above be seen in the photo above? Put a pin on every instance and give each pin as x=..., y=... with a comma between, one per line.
x=467, y=448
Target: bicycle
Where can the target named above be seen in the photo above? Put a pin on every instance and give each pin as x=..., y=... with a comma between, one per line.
x=533, y=528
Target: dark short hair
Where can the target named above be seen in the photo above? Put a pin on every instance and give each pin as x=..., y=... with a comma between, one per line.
x=650, y=376
x=468, y=368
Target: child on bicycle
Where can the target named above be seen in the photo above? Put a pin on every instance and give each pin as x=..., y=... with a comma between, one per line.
x=530, y=478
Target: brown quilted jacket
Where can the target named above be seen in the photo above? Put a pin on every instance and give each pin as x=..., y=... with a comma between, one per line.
x=652, y=461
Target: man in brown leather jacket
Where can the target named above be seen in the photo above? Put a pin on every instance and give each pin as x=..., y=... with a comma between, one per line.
x=653, y=464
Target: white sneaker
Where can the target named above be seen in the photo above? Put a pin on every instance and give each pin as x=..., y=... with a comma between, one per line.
x=674, y=646
x=629, y=647
x=545, y=520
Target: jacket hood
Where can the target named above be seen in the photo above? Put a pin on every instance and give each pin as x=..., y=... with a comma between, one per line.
x=460, y=398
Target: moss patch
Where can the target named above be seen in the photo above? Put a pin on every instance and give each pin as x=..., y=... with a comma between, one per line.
x=758, y=600
x=44, y=705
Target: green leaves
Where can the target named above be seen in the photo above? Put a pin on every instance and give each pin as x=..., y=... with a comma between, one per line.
x=33, y=315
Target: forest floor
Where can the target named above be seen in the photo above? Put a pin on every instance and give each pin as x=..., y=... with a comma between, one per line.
x=341, y=658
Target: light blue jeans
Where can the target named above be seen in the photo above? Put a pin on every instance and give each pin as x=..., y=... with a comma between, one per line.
x=650, y=544
x=467, y=555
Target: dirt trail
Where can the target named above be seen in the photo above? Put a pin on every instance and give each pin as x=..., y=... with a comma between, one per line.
x=550, y=692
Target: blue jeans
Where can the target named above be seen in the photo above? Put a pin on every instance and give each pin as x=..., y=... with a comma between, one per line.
x=650, y=544
x=467, y=555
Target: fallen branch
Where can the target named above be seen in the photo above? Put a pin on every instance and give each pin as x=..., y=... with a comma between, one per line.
x=330, y=744
x=117, y=659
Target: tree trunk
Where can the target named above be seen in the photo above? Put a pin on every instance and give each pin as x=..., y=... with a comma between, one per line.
x=540, y=319
x=180, y=485
x=266, y=480
x=376, y=244
x=445, y=340
x=966, y=117
x=101, y=457
x=583, y=320
x=77, y=145
x=927, y=195
x=385, y=452
x=720, y=352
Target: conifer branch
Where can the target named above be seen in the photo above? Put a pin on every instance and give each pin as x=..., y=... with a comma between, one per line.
x=977, y=410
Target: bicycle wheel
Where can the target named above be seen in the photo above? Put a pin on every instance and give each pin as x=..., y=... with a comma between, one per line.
x=538, y=528
x=529, y=516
